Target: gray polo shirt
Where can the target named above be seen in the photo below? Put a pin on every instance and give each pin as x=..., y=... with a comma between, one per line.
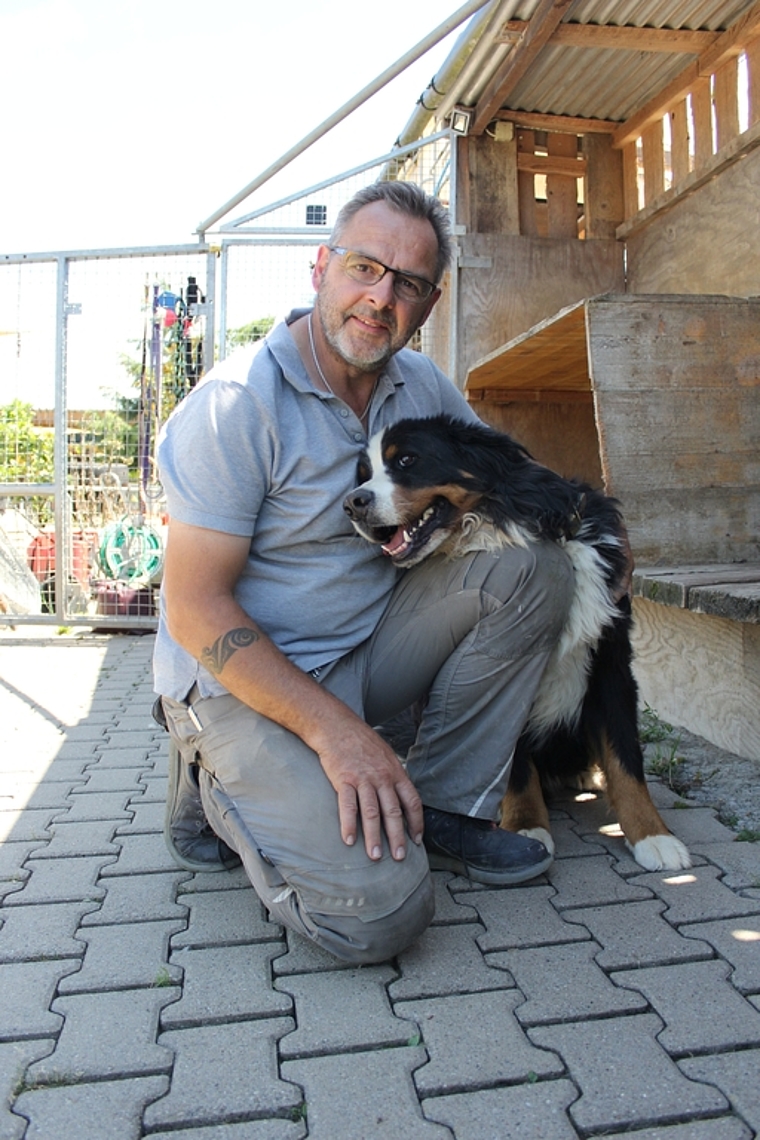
x=255, y=450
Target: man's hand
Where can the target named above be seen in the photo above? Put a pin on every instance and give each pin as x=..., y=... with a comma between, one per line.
x=373, y=788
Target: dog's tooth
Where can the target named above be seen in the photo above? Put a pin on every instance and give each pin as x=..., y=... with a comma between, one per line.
x=408, y=536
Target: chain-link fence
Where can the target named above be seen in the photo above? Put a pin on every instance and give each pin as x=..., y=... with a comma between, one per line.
x=97, y=348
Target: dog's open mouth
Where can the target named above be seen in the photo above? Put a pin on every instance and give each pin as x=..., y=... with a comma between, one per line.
x=405, y=541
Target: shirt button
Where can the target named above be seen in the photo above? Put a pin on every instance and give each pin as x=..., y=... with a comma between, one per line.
x=358, y=437
x=344, y=412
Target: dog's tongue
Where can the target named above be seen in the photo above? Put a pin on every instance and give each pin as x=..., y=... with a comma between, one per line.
x=396, y=543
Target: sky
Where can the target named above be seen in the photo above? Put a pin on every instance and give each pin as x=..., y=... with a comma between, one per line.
x=129, y=122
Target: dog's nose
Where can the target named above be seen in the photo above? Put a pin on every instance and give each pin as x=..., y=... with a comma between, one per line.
x=358, y=503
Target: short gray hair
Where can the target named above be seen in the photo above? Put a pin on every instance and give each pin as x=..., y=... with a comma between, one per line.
x=407, y=198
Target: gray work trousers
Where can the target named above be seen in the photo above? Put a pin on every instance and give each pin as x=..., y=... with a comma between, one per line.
x=467, y=641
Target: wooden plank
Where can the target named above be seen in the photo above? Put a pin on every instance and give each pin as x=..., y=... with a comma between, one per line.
x=526, y=187
x=753, y=81
x=654, y=161
x=554, y=163
x=608, y=37
x=679, y=142
x=534, y=121
x=493, y=186
x=726, y=103
x=529, y=396
x=562, y=436
x=701, y=111
x=603, y=191
x=631, y=180
x=684, y=525
x=672, y=585
x=561, y=190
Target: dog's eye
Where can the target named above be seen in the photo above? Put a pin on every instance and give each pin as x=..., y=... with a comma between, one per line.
x=406, y=460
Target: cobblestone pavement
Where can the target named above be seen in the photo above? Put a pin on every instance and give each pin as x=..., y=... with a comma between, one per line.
x=138, y=1000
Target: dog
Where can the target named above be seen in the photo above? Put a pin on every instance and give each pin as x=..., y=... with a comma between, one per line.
x=447, y=487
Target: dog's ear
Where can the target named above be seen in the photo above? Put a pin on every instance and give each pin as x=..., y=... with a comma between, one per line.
x=363, y=469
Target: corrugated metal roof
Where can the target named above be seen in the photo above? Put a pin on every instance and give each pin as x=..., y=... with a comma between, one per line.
x=585, y=82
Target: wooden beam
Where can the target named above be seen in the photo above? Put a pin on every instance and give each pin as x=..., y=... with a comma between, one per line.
x=730, y=44
x=543, y=23
x=561, y=124
x=609, y=37
x=529, y=396
x=551, y=164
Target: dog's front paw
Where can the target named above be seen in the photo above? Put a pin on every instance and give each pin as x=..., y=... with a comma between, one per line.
x=541, y=834
x=661, y=853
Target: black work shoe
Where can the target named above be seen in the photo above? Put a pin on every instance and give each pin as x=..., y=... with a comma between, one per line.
x=481, y=850
x=191, y=841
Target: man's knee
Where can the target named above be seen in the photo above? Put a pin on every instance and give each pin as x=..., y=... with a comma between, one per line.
x=360, y=943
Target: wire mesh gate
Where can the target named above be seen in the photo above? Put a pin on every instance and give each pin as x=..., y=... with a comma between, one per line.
x=97, y=348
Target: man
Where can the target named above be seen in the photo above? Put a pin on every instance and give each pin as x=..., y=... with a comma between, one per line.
x=284, y=637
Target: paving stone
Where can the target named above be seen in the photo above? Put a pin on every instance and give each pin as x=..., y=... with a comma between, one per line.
x=156, y=783
x=521, y=916
x=34, y=933
x=251, y=1130
x=226, y=983
x=54, y=796
x=146, y=818
x=449, y=909
x=727, y=1128
x=141, y=854
x=140, y=898
x=474, y=1040
x=372, y=1094
x=696, y=895
x=107, y=1035
x=28, y=989
x=719, y=1019
x=106, y=1110
x=562, y=983
x=12, y=859
x=736, y=1075
x=117, y=755
x=697, y=827
x=15, y=1056
x=100, y=780
x=636, y=934
x=218, y=881
x=591, y=882
x=125, y=957
x=84, y=732
x=61, y=880
x=569, y=844
x=84, y=838
x=446, y=960
x=22, y=824
x=227, y=919
x=589, y=810
x=222, y=1079
x=625, y=1076
x=343, y=1011
x=132, y=738
x=66, y=771
x=304, y=957
x=736, y=940
x=739, y=861
x=522, y=1112
x=106, y=805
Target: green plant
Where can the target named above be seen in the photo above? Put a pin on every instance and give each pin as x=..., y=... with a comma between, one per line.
x=747, y=835
x=162, y=978
x=652, y=730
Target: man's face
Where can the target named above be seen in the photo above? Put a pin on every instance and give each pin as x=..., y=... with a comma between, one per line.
x=366, y=324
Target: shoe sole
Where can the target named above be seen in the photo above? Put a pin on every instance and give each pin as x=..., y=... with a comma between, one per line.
x=440, y=862
x=175, y=759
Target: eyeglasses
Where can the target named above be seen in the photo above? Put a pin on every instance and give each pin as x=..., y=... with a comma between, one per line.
x=368, y=271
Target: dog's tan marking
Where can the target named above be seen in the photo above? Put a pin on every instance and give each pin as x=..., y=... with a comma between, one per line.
x=525, y=811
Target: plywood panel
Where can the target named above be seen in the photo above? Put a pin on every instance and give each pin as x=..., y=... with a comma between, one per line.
x=604, y=208
x=528, y=280
x=561, y=436
x=708, y=243
x=700, y=672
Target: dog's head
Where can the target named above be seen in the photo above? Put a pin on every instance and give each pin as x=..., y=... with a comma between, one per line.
x=419, y=480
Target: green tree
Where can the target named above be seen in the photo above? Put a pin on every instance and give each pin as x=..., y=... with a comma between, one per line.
x=26, y=451
x=250, y=333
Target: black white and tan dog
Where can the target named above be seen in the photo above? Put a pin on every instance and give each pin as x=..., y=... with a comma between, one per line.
x=444, y=486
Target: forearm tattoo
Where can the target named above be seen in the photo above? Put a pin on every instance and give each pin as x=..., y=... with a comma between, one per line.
x=215, y=657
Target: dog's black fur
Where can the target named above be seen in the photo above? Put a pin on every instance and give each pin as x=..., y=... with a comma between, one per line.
x=479, y=489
